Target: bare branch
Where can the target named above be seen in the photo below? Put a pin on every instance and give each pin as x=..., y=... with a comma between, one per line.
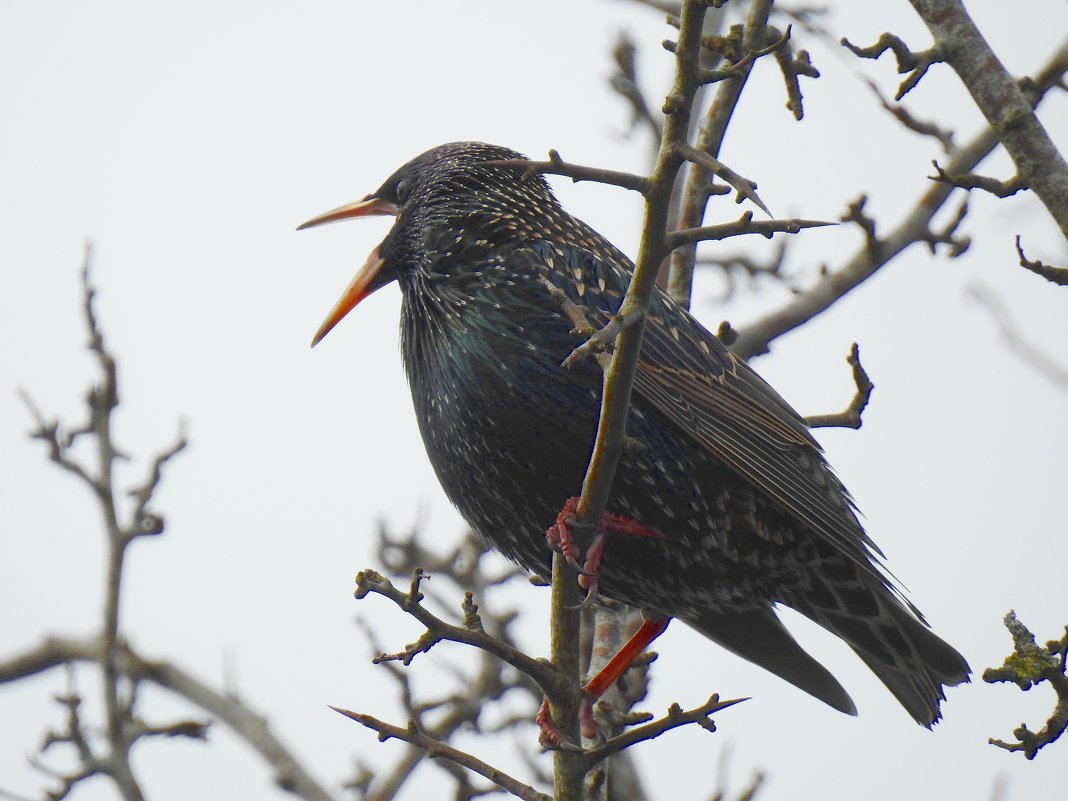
x=1026, y=667
x=1003, y=101
x=946, y=235
x=970, y=180
x=833, y=285
x=851, y=417
x=740, y=227
x=371, y=582
x=674, y=718
x=576, y=172
x=1056, y=275
x=625, y=82
x=1028, y=352
x=436, y=749
x=916, y=64
x=711, y=131
x=249, y=726
x=748, y=265
x=743, y=186
x=793, y=67
x=905, y=117
x=736, y=69
x=142, y=521
x=602, y=338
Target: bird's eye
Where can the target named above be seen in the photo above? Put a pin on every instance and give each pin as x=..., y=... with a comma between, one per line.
x=401, y=189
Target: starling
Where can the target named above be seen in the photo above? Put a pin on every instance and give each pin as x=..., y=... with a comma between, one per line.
x=727, y=506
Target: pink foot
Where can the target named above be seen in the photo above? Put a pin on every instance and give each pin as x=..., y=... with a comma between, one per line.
x=561, y=538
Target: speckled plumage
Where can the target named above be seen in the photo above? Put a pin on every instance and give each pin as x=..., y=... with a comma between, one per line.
x=751, y=515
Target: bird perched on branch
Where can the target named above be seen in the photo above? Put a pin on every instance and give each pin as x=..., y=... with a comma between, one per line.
x=724, y=508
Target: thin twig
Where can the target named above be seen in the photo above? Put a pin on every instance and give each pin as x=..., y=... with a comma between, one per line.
x=711, y=131
x=438, y=630
x=1028, y=352
x=436, y=749
x=1003, y=102
x=54, y=652
x=756, y=337
x=743, y=226
x=970, y=180
x=1027, y=666
x=851, y=416
x=916, y=64
x=674, y=718
x=1056, y=275
x=576, y=172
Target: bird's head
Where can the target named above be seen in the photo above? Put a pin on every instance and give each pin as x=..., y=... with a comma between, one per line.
x=443, y=183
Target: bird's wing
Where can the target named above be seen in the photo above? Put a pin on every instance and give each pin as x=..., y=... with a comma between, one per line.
x=691, y=378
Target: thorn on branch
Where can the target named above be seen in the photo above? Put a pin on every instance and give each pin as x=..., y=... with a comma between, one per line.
x=970, y=180
x=851, y=417
x=740, y=227
x=916, y=63
x=743, y=186
x=1057, y=275
x=1028, y=666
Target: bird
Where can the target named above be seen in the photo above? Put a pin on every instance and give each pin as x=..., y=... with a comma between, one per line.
x=725, y=507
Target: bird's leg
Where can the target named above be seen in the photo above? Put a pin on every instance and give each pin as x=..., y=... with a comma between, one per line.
x=561, y=537
x=561, y=534
x=551, y=736
x=651, y=628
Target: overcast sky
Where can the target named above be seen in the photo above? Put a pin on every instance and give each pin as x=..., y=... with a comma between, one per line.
x=188, y=140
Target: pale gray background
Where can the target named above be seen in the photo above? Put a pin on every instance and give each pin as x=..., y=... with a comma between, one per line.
x=187, y=141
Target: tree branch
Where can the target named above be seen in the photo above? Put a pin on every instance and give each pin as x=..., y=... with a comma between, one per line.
x=436, y=749
x=576, y=172
x=916, y=64
x=756, y=337
x=1026, y=667
x=710, y=134
x=249, y=726
x=1028, y=352
x=1056, y=275
x=1005, y=105
x=851, y=417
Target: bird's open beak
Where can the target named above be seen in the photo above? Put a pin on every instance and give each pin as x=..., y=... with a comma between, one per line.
x=368, y=207
x=364, y=282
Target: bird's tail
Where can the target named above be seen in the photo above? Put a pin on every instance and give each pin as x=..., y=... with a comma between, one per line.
x=759, y=636
x=911, y=660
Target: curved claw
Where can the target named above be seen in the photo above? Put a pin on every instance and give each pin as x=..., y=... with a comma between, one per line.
x=551, y=738
x=573, y=563
x=591, y=596
x=563, y=744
